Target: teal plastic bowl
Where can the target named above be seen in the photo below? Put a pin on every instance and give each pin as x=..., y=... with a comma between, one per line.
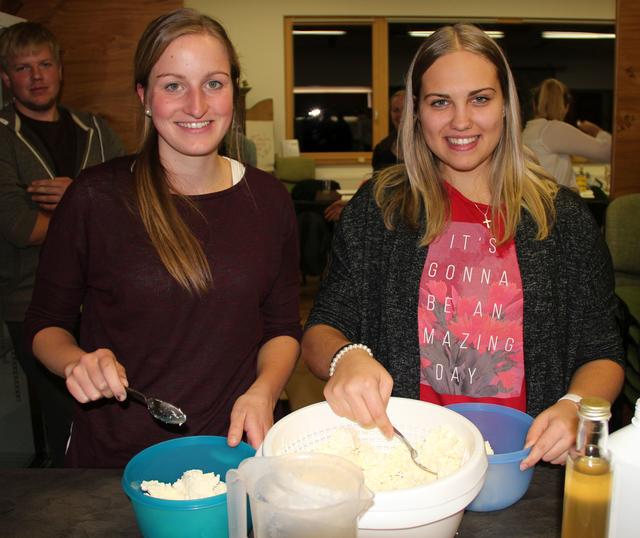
x=166, y=461
x=506, y=430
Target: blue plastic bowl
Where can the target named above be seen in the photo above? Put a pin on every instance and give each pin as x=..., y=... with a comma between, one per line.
x=506, y=430
x=166, y=461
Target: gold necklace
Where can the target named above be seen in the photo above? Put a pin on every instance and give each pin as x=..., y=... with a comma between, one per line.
x=485, y=214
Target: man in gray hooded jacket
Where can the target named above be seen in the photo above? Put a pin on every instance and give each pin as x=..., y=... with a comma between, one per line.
x=43, y=146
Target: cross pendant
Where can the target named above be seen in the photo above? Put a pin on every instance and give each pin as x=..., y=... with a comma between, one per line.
x=487, y=222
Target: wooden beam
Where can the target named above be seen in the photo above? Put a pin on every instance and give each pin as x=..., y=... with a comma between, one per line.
x=625, y=169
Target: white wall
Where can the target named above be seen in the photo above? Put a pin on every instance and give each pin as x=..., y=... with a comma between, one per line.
x=6, y=19
x=257, y=30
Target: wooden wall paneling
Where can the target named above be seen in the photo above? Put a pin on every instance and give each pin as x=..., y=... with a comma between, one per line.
x=625, y=170
x=261, y=111
x=98, y=40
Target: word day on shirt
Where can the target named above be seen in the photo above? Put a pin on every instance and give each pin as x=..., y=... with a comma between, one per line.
x=470, y=314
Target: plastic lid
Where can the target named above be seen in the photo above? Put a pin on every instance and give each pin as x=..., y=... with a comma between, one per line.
x=595, y=408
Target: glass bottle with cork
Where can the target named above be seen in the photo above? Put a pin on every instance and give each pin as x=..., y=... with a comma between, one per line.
x=587, y=486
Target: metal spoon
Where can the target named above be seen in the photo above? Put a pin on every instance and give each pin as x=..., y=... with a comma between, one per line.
x=163, y=411
x=412, y=451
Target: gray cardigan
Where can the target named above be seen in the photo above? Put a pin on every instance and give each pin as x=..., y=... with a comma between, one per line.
x=23, y=159
x=371, y=294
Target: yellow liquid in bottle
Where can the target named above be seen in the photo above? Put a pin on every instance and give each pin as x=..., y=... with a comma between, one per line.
x=587, y=492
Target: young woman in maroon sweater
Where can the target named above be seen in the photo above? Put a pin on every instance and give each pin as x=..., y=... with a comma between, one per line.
x=184, y=262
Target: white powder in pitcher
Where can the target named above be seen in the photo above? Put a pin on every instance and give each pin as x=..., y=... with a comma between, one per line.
x=193, y=484
x=390, y=467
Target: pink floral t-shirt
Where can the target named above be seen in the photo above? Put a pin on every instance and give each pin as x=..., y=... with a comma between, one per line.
x=470, y=314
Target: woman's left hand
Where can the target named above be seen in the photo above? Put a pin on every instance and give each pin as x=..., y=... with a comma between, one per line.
x=552, y=434
x=587, y=127
x=333, y=212
x=252, y=413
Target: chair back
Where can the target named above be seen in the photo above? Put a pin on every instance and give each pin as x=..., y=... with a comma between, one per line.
x=622, y=232
x=291, y=170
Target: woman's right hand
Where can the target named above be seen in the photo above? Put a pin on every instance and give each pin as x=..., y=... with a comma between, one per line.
x=360, y=390
x=96, y=375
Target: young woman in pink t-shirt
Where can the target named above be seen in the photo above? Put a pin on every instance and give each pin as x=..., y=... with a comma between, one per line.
x=505, y=281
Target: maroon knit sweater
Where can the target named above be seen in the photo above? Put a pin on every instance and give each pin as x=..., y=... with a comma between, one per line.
x=198, y=352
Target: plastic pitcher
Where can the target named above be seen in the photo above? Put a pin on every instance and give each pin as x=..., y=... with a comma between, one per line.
x=311, y=495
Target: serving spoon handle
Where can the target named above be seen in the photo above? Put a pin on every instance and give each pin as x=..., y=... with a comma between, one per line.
x=136, y=395
x=163, y=411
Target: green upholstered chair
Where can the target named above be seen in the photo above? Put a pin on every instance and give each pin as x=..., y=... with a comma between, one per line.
x=622, y=232
x=631, y=389
x=291, y=170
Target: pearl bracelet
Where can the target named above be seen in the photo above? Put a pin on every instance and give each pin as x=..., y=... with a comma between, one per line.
x=341, y=353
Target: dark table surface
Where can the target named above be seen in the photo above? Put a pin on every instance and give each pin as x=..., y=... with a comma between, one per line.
x=87, y=503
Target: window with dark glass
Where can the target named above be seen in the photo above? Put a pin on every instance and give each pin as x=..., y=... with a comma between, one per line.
x=332, y=87
x=339, y=75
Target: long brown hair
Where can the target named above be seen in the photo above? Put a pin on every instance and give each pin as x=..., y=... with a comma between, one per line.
x=179, y=250
x=408, y=190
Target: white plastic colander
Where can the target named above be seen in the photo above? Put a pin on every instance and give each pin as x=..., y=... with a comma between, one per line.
x=433, y=509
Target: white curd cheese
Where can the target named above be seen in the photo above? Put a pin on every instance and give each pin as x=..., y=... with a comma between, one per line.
x=193, y=484
x=388, y=466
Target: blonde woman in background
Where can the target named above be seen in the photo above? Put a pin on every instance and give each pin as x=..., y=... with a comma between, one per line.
x=554, y=141
x=466, y=273
x=185, y=263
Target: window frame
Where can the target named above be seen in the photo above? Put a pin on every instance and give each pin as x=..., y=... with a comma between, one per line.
x=379, y=69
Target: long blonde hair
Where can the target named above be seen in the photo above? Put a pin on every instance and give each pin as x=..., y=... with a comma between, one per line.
x=551, y=100
x=179, y=250
x=409, y=190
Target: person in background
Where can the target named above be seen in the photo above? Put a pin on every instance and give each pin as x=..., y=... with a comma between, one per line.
x=466, y=273
x=334, y=210
x=385, y=152
x=43, y=146
x=554, y=141
x=185, y=263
